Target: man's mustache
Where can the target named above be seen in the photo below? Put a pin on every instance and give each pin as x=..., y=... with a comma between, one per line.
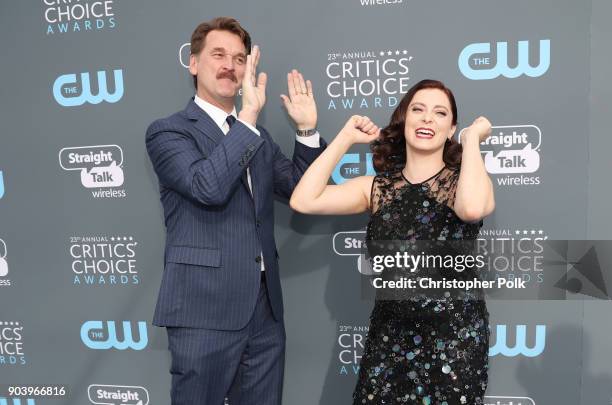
x=227, y=75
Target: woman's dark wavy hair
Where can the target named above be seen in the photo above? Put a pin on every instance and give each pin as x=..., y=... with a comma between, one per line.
x=390, y=148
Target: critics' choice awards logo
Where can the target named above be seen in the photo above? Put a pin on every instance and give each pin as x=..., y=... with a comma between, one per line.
x=514, y=254
x=11, y=344
x=350, y=343
x=511, y=153
x=497, y=400
x=4, y=269
x=518, y=335
x=117, y=395
x=100, y=167
x=66, y=16
x=104, y=335
x=102, y=260
x=366, y=79
x=71, y=90
x=478, y=62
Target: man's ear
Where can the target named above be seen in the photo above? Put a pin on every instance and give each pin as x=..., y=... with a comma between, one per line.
x=193, y=64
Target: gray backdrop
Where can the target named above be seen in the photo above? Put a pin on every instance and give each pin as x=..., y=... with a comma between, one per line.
x=54, y=223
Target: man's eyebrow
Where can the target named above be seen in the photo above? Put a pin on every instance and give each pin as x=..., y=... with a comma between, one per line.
x=221, y=49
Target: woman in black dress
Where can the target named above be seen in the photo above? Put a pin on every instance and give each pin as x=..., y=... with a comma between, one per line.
x=428, y=187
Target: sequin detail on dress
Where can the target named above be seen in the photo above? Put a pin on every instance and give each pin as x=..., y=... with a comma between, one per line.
x=422, y=351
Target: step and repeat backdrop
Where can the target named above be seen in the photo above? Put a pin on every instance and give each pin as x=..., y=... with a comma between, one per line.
x=81, y=226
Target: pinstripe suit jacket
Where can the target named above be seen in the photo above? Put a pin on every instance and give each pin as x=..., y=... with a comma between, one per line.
x=215, y=229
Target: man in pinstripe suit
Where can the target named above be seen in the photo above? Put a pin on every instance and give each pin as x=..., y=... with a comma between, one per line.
x=220, y=297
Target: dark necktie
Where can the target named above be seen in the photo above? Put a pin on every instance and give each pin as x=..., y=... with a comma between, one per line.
x=230, y=120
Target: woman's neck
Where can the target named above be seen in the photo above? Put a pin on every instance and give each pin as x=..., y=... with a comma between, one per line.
x=422, y=165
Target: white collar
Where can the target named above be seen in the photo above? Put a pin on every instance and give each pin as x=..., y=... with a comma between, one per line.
x=217, y=114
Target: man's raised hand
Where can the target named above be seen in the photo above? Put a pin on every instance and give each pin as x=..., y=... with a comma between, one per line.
x=300, y=103
x=253, y=89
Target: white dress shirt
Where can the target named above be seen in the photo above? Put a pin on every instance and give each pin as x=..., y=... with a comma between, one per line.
x=219, y=117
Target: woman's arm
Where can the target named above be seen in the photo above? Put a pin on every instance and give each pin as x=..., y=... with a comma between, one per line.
x=474, y=198
x=313, y=195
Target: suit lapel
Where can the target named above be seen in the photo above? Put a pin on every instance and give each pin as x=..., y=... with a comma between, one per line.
x=209, y=128
x=203, y=122
x=258, y=170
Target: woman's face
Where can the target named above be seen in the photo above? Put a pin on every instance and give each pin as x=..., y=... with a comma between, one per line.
x=429, y=120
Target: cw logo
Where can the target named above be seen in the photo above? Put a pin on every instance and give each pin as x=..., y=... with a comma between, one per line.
x=68, y=92
x=520, y=347
x=16, y=401
x=1, y=184
x=351, y=166
x=482, y=62
x=184, y=53
x=95, y=336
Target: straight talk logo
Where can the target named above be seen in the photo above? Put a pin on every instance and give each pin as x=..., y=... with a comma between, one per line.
x=100, y=168
x=117, y=395
x=380, y=2
x=499, y=400
x=4, y=269
x=512, y=154
x=351, y=243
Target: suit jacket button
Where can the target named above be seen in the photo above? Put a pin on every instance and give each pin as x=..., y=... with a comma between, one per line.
x=258, y=259
x=258, y=223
